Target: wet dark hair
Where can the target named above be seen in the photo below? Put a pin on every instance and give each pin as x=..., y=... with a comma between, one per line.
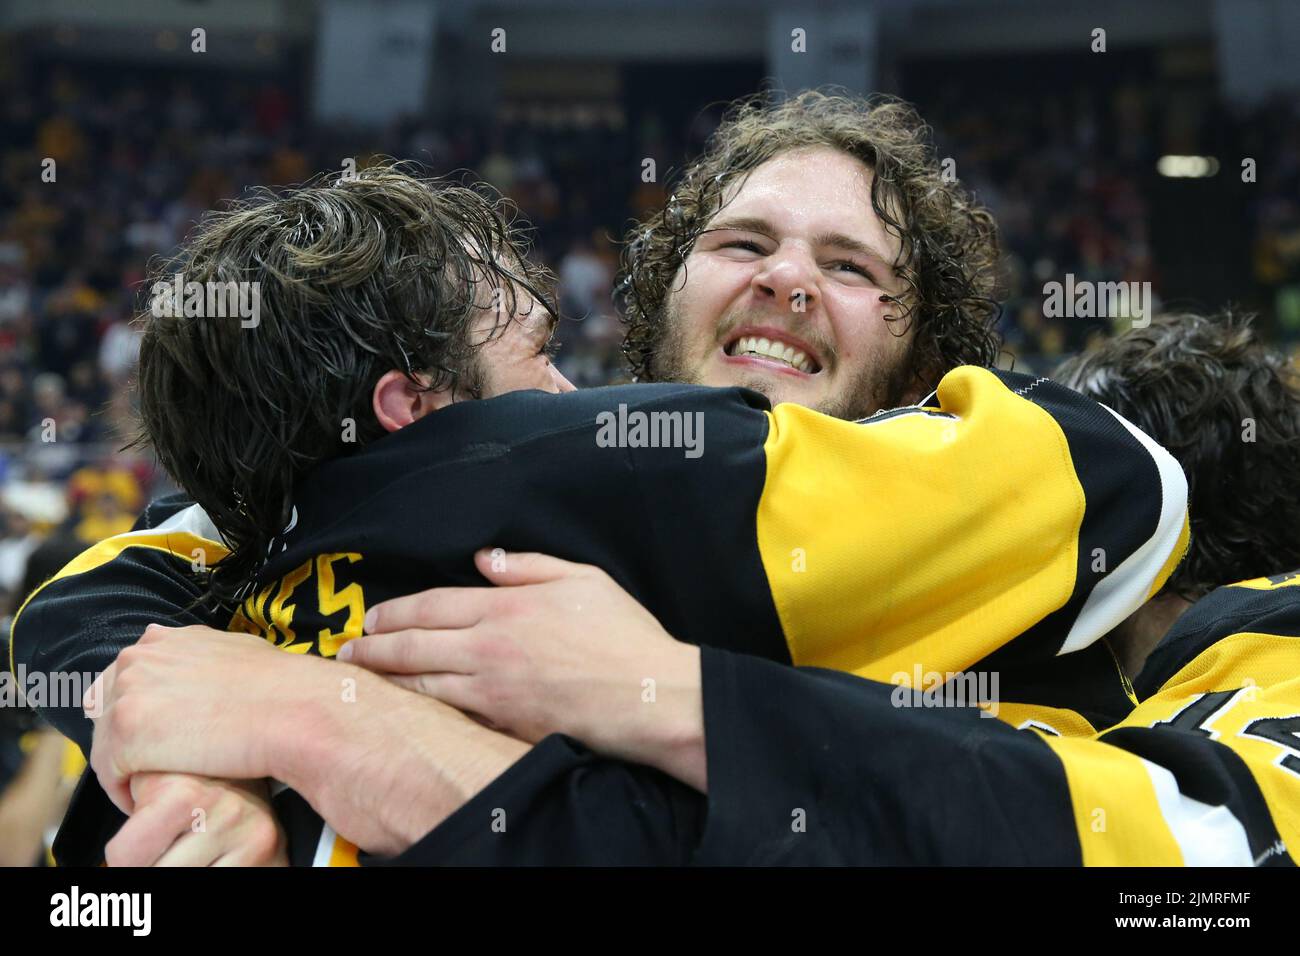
x=358, y=276
x=949, y=247
x=1198, y=385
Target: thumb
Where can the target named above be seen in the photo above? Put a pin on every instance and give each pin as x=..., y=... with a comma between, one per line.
x=509, y=568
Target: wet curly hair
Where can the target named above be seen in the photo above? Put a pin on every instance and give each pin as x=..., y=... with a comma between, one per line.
x=1228, y=408
x=357, y=276
x=949, y=247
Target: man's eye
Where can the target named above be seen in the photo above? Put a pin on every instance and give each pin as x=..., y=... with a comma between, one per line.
x=847, y=265
x=743, y=244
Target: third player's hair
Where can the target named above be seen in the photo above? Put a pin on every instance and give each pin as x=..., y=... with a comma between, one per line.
x=357, y=277
x=1228, y=408
x=949, y=247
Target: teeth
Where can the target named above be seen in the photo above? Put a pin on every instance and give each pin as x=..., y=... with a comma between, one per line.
x=765, y=348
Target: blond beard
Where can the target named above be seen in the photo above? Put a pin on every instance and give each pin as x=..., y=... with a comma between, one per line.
x=873, y=388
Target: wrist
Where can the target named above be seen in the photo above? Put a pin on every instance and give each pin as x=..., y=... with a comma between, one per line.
x=384, y=766
x=670, y=734
x=312, y=733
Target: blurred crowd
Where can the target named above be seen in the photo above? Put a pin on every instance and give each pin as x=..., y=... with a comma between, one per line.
x=1068, y=181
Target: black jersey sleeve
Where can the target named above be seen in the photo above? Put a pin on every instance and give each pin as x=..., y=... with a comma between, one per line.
x=78, y=621
x=806, y=767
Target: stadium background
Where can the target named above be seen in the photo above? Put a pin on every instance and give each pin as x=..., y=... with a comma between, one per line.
x=558, y=105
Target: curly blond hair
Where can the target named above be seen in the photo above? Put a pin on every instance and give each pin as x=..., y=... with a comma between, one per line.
x=949, y=247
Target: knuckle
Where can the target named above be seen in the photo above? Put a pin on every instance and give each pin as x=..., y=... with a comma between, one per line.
x=510, y=605
x=488, y=649
x=427, y=604
x=264, y=836
x=191, y=792
x=497, y=696
x=224, y=798
x=125, y=718
x=128, y=681
x=404, y=648
x=128, y=657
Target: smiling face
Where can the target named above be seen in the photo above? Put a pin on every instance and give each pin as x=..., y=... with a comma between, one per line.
x=787, y=292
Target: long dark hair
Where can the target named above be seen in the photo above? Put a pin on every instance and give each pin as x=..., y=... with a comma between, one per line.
x=357, y=277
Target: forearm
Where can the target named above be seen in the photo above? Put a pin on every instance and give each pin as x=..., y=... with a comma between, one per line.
x=30, y=803
x=385, y=768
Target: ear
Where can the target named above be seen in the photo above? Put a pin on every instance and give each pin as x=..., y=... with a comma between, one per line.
x=397, y=401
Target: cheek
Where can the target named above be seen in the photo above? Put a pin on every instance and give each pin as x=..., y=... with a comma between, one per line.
x=861, y=330
x=535, y=372
x=519, y=376
x=711, y=286
x=510, y=365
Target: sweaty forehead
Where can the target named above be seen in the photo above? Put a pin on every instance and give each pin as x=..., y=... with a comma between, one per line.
x=529, y=317
x=810, y=191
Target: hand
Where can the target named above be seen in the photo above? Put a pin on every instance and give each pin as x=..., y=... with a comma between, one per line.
x=186, y=820
x=382, y=765
x=557, y=647
x=202, y=701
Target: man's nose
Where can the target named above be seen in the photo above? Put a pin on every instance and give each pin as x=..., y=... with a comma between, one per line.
x=789, y=278
x=562, y=384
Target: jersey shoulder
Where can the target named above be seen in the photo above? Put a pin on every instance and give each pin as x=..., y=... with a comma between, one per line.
x=1267, y=606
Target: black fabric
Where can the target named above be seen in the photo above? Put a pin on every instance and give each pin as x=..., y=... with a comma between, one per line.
x=561, y=805
x=806, y=767
x=12, y=756
x=1223, y=612
x=89, y=823
x=524, y=472
x=1089, y=682
x=113, y=608
x=879, y=784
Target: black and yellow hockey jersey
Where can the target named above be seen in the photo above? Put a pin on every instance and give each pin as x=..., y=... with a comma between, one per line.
x=815, y=767
x=1006, y=523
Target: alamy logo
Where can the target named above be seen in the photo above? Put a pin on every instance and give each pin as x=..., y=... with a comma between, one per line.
x=41, y=689
x=954, y=689
x=102, y=909
x=651, y=430
x=1092, y=300
x=207, y=300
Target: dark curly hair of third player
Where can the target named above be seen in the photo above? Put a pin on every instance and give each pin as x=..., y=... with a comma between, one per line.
x=1228, y=408
x=949, y=247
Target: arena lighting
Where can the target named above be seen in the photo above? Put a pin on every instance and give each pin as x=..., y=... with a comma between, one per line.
x=1187, y=167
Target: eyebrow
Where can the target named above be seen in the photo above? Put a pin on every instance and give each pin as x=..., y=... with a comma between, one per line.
x=835, y=239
